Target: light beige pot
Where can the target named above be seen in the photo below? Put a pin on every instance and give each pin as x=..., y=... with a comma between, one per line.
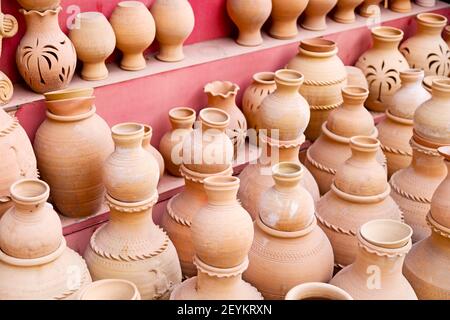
x=315, y=15
x=317, y=291
x=285, y=14
x=147, y=145
x=345, y=11
x=111, y=289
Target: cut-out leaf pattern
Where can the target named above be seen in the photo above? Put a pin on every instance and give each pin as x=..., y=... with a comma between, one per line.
x=383, y=78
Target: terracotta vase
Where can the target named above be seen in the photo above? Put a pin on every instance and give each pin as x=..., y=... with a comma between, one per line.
x=45, y=57
x=447, y=35
x=325, y=76
x=376, y=273
x=284, y=17
x=131, y=247
x=263, y=84
x=249, y=16
x=75, y=175
x=181, y=120
x=6, y=89
x=426, y=49
x=359, y=193
x=382, y=65
x=39, y=5
x=345, y=11
x=332, y=149
x=174, y=21
x=146, y=144
x=8, y=27
x=286, y=235
x=426, y=265
x=130, y=173
x=355, y=77
x=135, y=31
x=426, y=3
x=316, y=13
x=94, y=41
x=395, y=131
x=317, y=291
x=111, y=289
x=370, y=8
x=285, y=113
x=402, y=6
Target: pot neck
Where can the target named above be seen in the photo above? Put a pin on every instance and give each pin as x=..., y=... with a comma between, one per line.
x=29, y=196
x=427, y=164
x=42, y=22
x=182, y=118
x=286, y=85
x=287, y=176
x=386, y=38
x=430, y=24
x=354, y=97
x=137, y=215
x=221, y=94
x=128, y=137
x=412, y=77
x=363, y=151
x=221, y=191
x=440, y=89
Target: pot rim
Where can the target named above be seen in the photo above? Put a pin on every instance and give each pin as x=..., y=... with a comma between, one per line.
x=445, y=152
x=186, y=110
x=317, y=290
x=364, y=143
x=355, y=91
x=206, y=116
x=431, y=19
x=130, y=4
x=26, y=12
x=76, y=92
x=221, y=183
x=265, y=77
x=441, y=84
x=40, y=195
x=128, y=129
x=230, y=89
x=386, y=33
x=289, y=77
x=148, y=131
x=318, y=45
x=427, y=81
x=90, y=15
x=370, y=232
x=120, y=285
x=295, y=170
x=412, y=74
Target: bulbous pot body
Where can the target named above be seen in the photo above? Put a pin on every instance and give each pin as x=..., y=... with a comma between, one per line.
x=345, y=10
x=316, y=13
x=39, y=5
x=284, y=15
x=355, y=77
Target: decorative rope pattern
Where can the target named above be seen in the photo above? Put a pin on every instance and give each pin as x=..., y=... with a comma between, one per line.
x=133, y=209
x=335, y=228
x=407, y=195
x=177, y=219
x=326, y=107
x=433, y=226
x=12, y=126
x=220, y=273
x=383, y=254
x=318, y=165
x=324, y=83
x=396, y=151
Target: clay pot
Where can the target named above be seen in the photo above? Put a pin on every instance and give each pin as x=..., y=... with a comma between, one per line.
x=249, y=17
x=181, y=120
x=317, y=291
x=402, y=6
x=130, y=173
x=45, y=57
x=31, y=229
x=440, y=202
x=8, y=27
x=285, y=113
x=370, y=8
x=325, y=76
x=146, y=144
x=316, y=13
x=222, y=95
x=39, y=5
x=359, y=193
x=94, y=41
x=111, y=289
x=263, y=84
x=426, y=49
x=345, y=11
x=18, y=160
x=332, y=148
x=75, y=175
x=382, y=65
x=284, y=16
x=426, y=3
x=174, y=23
x=376, y=273
x=67, y=94
x=135, y=31
x=6, y=88
x=447, y=35
x=131, y=247
x=355, y=77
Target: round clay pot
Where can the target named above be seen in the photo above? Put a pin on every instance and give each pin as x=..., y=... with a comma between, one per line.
x=402, y=6
x=135, y=31
x=426, y=49
x=426, y=3
x=94, y=41
x=355, y=77
x=130, y=173
x=345, y=11
x=70, y=107
x=382, y=65
x=181, y=120
x=111, y=289
x=325, y=76
x=370, y=8
x=146, y=144
x=316, y=13
x=284, y=16
x=6, y=88
x=174, y=21
x=317, y=291
x=45, y=57
x=39, y=5
x=249, y=16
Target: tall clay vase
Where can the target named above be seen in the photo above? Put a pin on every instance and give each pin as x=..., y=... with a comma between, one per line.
x=111, y=289
x=325, y=76
x=370, y=8
x=39, y=5
x=376, y=273
x=135, y=31
x=426, y=49
x=146, y=144
x=315, y=15
x=345, y=11
x=174, y=21
x=382, y=65
x=75, y=175
x=130, y=173
x=181, y=119
x=284, y=16
x=359, y=193
x=317, y=291
x=332, y=148
x=395, y=131
x=249, y=16
x=46, y=58
x=402, y=6
x=94, y=41
x=426, y=265
x=131, y=247
x=287, y=238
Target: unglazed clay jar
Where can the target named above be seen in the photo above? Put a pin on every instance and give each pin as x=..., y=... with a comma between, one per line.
x=263, y=84
x=45, y=57
x=6, y=89
x=285, y=113
x=249, y=16
x=284, y=16
x=325, y=76
x=94, y=41
x=382, y=65
x=146, y=144
x=130, y=173
x=376, y=273
x=395, y=131
x=39, y=5
x=316, y=13
x=359, y=193
x=402, y=6
x=426, y=49
x=345, y=11
x=171, y=144
x=317, y=291
x=135, y=31
x=370, y=8
x=110, y=289
x=75, y=175
x=355, y=77
x=174, y=21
